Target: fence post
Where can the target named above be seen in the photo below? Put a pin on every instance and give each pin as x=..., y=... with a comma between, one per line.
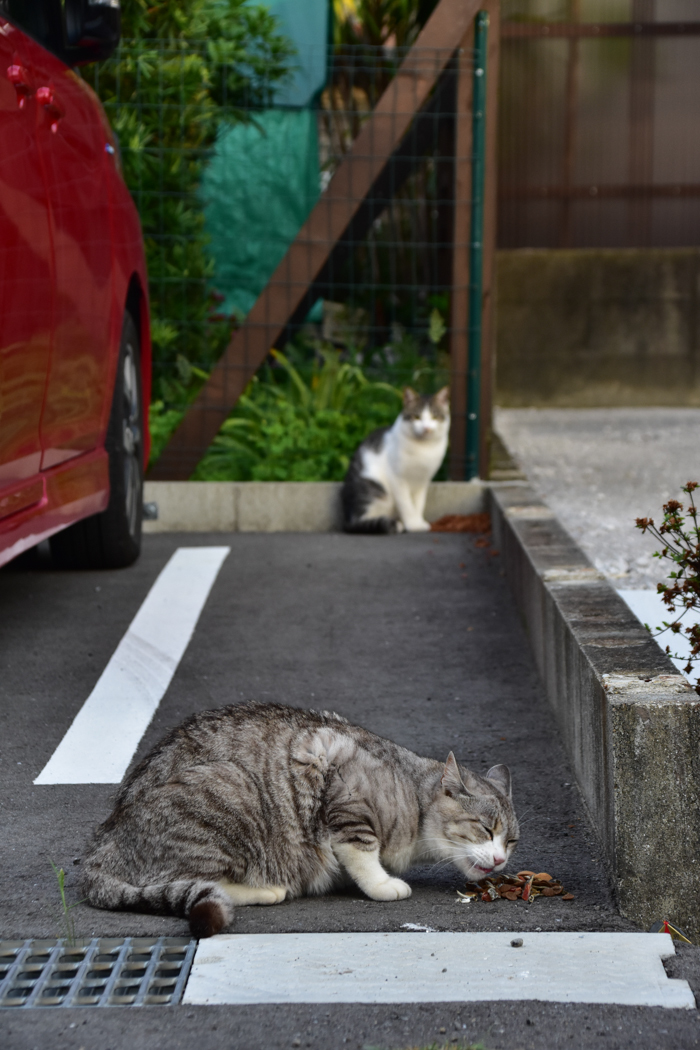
x=476, y=248
x=488, y=295
x=459, y=295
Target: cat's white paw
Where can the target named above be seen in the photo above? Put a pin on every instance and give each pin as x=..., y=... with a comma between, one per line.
x=419, y=525
x=272, y=894
x=391, y=890
x=244, y=895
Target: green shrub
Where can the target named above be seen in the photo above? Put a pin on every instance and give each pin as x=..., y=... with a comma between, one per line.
x=182, y=70
x=300, y=421
x=680, y=535
x=306, y=411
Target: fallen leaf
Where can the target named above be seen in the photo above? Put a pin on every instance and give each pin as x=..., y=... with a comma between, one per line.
x=462, y=523
x=526, y=885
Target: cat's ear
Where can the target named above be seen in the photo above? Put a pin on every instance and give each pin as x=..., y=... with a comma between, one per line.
x=500, y=778
x=451, y=780
x=442, y=398
x=410, y=397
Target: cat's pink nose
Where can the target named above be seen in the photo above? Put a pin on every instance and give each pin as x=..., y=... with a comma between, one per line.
x=498, y=860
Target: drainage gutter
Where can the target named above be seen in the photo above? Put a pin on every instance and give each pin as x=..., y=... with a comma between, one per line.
x=629, y=721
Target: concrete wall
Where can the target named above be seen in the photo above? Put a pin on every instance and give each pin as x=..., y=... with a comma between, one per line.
x=598, y=327
x=279, y=506
x=629, y=721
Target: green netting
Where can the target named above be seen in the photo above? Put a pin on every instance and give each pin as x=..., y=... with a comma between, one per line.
x=264, y=177
x=258, y=189
x=305, y=23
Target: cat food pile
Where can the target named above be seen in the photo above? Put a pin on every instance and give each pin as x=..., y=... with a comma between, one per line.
x=525, y=886
x=478, y=523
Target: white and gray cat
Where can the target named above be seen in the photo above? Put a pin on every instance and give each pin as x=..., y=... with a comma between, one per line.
x=386, y=485
x=252, y=803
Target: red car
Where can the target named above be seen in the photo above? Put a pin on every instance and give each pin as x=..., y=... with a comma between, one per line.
x=74, y=328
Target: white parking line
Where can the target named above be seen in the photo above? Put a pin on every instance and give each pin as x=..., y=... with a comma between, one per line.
x=103, y=738
x=622, y=968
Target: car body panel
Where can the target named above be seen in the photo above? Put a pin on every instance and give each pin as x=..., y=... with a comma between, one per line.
x=71, y=261
x=26, y=279
x=71, y=140
x=69, y=492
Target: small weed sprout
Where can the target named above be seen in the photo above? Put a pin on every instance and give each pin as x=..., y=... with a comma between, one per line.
x=67, y=918
x=680, y=535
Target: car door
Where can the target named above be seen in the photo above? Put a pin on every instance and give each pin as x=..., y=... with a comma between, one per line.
x=26, y=282
x=73, y=141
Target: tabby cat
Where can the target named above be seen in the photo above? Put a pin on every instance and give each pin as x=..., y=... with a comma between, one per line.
x=386, y=485
x=252, y=803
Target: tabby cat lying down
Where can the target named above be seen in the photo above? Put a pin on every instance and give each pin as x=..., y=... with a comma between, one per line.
x=251, y=804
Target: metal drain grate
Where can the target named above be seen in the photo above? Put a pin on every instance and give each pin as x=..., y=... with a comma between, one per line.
x=106, y=971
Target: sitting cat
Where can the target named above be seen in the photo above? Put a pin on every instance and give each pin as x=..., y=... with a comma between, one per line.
x=387, y=481
x=251, y=804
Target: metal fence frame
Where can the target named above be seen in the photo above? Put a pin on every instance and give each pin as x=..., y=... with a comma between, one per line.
x=455, y=28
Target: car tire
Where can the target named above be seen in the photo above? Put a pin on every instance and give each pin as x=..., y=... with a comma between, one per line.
x=112, y=539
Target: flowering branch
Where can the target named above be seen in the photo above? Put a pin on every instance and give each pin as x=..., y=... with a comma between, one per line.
x=680, y=536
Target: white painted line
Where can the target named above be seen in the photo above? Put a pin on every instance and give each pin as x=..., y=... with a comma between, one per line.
x=648, y=607
x=623, y=968
x=103, y=738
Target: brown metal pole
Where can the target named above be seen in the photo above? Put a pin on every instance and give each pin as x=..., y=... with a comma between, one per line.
x=488, y=336
x=459, y=300
x=641, y=135
x=570, y=127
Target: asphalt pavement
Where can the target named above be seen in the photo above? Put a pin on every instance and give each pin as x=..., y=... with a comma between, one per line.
x=415, y=637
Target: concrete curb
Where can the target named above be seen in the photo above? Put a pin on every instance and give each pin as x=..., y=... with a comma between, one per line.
x=630, y=722
x=279, y=506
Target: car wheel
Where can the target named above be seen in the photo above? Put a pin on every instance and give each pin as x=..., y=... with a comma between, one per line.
x=112, y=539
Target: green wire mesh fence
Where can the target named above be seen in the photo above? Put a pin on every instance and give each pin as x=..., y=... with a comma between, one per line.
x=224, y=181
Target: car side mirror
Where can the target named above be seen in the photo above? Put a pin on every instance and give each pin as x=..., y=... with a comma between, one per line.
x=91, y=30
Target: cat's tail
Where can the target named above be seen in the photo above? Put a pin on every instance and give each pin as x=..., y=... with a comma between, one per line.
x=372, y=526
x=203, y=903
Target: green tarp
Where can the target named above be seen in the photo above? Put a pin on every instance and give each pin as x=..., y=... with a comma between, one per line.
x=258, y=190
x=263, y=179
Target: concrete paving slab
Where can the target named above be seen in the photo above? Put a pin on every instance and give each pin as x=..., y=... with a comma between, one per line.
x=622, y=968
x=600, y=468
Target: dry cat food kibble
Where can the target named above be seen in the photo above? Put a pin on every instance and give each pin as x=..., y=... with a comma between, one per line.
x=478, y=523
x=525, y=886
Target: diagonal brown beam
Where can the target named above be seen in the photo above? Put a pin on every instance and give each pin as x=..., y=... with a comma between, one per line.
x=352, y=181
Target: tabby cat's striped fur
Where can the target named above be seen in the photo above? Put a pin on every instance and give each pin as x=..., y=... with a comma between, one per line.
x=248, y=804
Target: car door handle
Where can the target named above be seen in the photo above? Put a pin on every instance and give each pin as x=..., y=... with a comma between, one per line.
x=46, y=98
x=19, y=77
